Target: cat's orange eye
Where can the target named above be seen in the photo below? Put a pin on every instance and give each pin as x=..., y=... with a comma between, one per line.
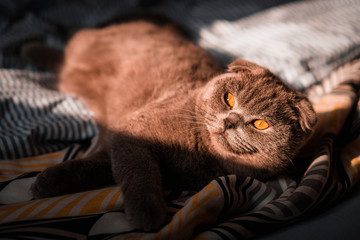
x=260, y=124
x=229, y=99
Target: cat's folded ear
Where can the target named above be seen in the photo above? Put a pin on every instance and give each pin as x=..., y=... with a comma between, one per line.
x=306, y=114
x=241, y=65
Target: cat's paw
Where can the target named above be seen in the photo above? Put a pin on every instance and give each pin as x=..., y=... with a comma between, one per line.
x=48, y=184
x=146, y=211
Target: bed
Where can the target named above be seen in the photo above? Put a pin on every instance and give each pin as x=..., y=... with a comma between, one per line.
x=312, y=45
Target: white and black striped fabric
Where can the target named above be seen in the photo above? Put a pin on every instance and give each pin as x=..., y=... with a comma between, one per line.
x=302, y=41
x=36, y=120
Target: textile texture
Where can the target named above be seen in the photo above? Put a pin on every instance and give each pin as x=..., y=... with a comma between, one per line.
x=310, y=44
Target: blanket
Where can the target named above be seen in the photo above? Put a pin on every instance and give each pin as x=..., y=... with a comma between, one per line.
x=301, y=41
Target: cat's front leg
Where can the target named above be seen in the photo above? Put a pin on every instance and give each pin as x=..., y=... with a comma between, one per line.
x=72, y=176
x=138, y=173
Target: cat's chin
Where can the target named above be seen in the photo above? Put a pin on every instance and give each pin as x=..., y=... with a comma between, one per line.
x=232, y=143
x=243, y=161
x=226, y=147
x=223, y=144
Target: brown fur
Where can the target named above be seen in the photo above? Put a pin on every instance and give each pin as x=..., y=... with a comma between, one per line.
x=160, y=102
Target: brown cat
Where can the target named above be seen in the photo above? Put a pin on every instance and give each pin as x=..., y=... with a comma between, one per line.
x=171, y=118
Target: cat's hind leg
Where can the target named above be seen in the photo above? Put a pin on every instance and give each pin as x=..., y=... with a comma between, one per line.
x=77, y=175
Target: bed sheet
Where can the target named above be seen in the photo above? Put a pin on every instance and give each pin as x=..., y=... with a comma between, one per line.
x=40, y=127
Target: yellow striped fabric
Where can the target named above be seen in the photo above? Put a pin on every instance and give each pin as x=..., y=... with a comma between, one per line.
x=77, y=204
x=12, y=168
x=333, y=110
x=350, y=157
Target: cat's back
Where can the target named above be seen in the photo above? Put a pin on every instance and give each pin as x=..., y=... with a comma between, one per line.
x=133, y=63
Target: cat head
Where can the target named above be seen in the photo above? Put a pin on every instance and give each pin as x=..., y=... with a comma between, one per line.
x=255, y=123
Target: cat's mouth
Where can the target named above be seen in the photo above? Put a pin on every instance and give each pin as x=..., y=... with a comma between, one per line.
x=234, y=143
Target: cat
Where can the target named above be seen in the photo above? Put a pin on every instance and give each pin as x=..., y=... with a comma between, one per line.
x=172, y=118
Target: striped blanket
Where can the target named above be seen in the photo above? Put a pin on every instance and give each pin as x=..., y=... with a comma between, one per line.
x=40, y=127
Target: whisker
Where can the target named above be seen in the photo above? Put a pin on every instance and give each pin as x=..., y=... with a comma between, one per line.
x=211, y=123
x=291, y=161
x=204, y=113
x=267, y=155
x=192, y=115
x=199, y=108
x=188, y=116
x=185, y=110
x=203, y=117
x=183, y=116
x=245, y=145
x=194, y=119
x=198, y=123
x=202, y=127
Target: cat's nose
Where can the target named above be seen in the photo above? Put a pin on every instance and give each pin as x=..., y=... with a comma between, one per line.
x=231, y=121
